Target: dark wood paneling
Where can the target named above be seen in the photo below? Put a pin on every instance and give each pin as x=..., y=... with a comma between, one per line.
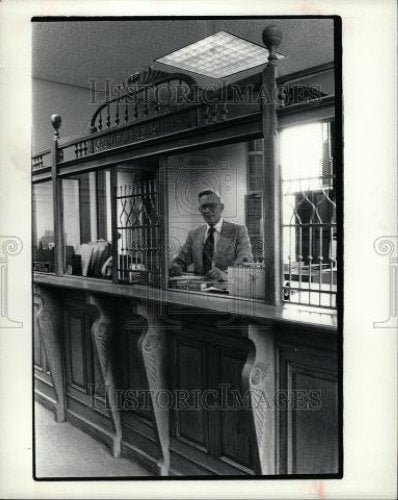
x=308, y=416
x=98, y=379
x=236, y=442
x=208, y=355
x=134, y=395
x=205, y=352
x=78, y=353
x=84, y=380
x=37, y=348
x=313, y=444
x=90, y=410
x=232, y=131
x=41, y=365
x=192, y=424
x=44, y=388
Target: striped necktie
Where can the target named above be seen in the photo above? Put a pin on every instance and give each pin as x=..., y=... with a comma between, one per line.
x=208, y=250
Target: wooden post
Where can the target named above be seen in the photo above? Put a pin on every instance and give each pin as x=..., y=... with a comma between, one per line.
x=115, y=234
x=59, y=256
x=163, y=200
x=100, y=186
x=272, y=37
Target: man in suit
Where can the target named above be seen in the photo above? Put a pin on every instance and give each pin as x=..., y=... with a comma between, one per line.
x=214, y=246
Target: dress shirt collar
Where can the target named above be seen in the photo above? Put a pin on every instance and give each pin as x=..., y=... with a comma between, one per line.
x=217, y=227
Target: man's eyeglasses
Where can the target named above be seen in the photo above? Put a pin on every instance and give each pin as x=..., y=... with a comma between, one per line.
x=209, y=206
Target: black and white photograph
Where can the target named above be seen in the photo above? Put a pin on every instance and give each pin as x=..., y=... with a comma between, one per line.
x=186, y=247
x=198, y=250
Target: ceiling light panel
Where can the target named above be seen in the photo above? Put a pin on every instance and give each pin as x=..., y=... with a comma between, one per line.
x=218, y=56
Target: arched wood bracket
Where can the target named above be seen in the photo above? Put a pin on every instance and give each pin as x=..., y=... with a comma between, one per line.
x=136, y=90
x=48, y=321
x=152, y=76
x=258, y=377
x=102, y=332
x=152, y=345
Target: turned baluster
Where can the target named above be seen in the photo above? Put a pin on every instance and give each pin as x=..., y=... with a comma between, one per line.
x=108, y=117
x=126, y=111
x=214, y=112
x=117, y=120
x=100, y=121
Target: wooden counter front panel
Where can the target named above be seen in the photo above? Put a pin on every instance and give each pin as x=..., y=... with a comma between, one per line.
x=236, y=431
x=85, y=391
x=207, y=358
x=132, y=380
x=44, y=388
x=191, y=425
x=206, y=353
x=308, y=436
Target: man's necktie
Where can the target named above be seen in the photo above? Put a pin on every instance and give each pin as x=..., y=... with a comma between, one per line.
x=208, y=250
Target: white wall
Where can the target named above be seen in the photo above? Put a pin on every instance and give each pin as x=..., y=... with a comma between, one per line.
x=70, y=192
x=43, y=223
x=70, y=102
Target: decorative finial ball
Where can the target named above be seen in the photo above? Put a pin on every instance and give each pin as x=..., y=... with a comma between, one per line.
x=133, y=78
x=272, y=36
x=56, y=121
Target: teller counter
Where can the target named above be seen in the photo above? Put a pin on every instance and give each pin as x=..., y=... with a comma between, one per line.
x=187, y=382
x=189, y=377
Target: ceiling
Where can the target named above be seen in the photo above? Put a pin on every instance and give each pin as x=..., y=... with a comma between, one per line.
x=74, y=52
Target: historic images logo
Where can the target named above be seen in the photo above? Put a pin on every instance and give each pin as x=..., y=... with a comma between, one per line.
x=388, y=246
x=9, y=246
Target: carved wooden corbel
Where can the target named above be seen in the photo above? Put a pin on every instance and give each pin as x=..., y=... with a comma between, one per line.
x=48, y=318
x=258, y=376
x=153, y=348
x=102, y=332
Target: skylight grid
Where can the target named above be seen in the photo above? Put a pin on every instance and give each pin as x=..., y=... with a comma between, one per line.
x=218, y=56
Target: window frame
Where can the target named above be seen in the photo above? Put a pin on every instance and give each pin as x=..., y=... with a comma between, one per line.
x=321, y=112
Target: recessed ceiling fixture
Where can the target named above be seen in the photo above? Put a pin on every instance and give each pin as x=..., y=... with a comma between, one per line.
x=218, y=56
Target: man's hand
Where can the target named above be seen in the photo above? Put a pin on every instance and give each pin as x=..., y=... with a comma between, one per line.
x=217, y=274
x=175, y=270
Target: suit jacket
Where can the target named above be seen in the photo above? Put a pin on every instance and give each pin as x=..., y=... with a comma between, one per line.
x=233, y=245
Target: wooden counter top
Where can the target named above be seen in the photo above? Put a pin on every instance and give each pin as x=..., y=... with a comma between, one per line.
x=255, y=310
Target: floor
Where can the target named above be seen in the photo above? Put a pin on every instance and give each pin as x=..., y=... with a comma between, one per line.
x=64, y=451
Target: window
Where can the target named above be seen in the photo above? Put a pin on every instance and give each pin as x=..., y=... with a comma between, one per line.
x=309, y=214
x=231, y=179
x=138, y=225
x=43, y=227
x=87, y=224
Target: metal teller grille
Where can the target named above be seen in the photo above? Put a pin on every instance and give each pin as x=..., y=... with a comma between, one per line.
x=309, y=221
x=138, y=231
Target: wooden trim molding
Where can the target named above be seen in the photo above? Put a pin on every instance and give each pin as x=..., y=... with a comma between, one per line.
x=325, y=319
x=305, y=73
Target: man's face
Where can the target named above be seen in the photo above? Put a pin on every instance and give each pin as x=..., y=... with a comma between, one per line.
x=210, y=208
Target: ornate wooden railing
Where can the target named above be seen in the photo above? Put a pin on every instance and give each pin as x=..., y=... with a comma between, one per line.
x=41, y=160
x=143, y=98
x=155, y=103
x=139, y=115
